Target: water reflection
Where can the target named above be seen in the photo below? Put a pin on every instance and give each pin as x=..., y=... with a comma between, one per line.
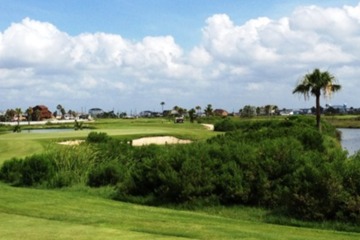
x=48, y=130
x=350, y=139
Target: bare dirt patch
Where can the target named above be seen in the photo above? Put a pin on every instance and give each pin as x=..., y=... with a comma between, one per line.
x=158, y=140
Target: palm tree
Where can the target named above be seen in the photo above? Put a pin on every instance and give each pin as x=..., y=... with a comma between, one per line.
x=59, y=107
x=29, y=113
x=313, y=84
x=208, y=110
x=198, y=108
x=192, y=115
x=18, y=114
x=162, y=107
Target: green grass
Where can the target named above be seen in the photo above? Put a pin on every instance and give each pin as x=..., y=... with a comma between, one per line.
x=55, y=214
x=344, y=121
x=24, y=143
x=84, y=213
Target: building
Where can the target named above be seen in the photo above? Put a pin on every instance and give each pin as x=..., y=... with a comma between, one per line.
x=93, y=112
x=41, y=112
x=220, y=112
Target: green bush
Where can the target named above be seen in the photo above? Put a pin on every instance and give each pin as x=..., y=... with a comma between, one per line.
x=97, y=137
x=225, y=125
x=107, y=174
x=36, y=170
x=31, y=171
x=11, y=171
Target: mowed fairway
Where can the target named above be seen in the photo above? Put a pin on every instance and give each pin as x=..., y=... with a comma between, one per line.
x=53, y=214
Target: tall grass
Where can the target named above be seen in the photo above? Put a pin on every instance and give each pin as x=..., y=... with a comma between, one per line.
x=72, y=164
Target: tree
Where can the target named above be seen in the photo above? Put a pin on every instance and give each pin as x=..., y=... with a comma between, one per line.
x=61, y=110
x=18, y=115
x=198, y=108
x=29, y=113
x=208, y=110
x=10, y=114
x=314, y=84
x=192, y=115
x=37, y=115
x=248, y=111
x=58, y=107
x=162, y=106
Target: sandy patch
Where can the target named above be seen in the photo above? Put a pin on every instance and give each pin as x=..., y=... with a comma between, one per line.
x=158, y=140
x=72, y=142
x=209, y=126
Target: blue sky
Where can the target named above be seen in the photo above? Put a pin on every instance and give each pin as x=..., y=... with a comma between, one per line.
x=135, y=19
x=127, y=55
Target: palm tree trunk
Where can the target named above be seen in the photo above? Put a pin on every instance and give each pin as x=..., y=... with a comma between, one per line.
x=318, y=113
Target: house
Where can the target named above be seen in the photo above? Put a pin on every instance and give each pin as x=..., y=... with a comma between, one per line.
x=93, y=112
x=336, y=109
x=220, y=112
x=41, y=112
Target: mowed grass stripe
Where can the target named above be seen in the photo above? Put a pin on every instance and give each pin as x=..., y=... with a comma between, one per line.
x=27, y=211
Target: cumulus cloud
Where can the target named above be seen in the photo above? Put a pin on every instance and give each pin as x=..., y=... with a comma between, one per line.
x=261, y=57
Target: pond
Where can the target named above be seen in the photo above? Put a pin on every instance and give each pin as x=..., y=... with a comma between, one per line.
x=350, y=139
x=48, y=130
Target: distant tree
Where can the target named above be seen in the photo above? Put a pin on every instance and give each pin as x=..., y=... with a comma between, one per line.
x=29, y=113
x=208, y=110
x=314, y=84
x=248, y=111
x=72, y=113
x=181, y=111
x=162, y=106
x=63, y=112
x=192, y=114
x=58, y=107
x=61, y=109
x=122, y=115
x=37, y=115
x=198, y=109
x=18, y=115
x=268, y=109
x=10, y=114
x=276, y=109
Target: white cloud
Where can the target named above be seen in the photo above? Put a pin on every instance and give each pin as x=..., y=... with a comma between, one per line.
x=259, y=60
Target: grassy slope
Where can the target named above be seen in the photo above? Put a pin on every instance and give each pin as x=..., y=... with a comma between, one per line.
x=47, y=214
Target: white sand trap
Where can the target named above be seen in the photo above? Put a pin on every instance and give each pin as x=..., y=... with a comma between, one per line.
x=209, y=126
x=158, y=140
x=72, y=142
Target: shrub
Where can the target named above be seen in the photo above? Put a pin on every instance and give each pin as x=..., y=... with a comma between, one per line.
x=97, y=137
x=106, y=174
x=225, y=125
x=11, y=171
x=36, y=170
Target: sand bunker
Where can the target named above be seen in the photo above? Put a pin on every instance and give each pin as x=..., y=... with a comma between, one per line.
x=209, y=126
x=158, y=140
x=72, y=142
